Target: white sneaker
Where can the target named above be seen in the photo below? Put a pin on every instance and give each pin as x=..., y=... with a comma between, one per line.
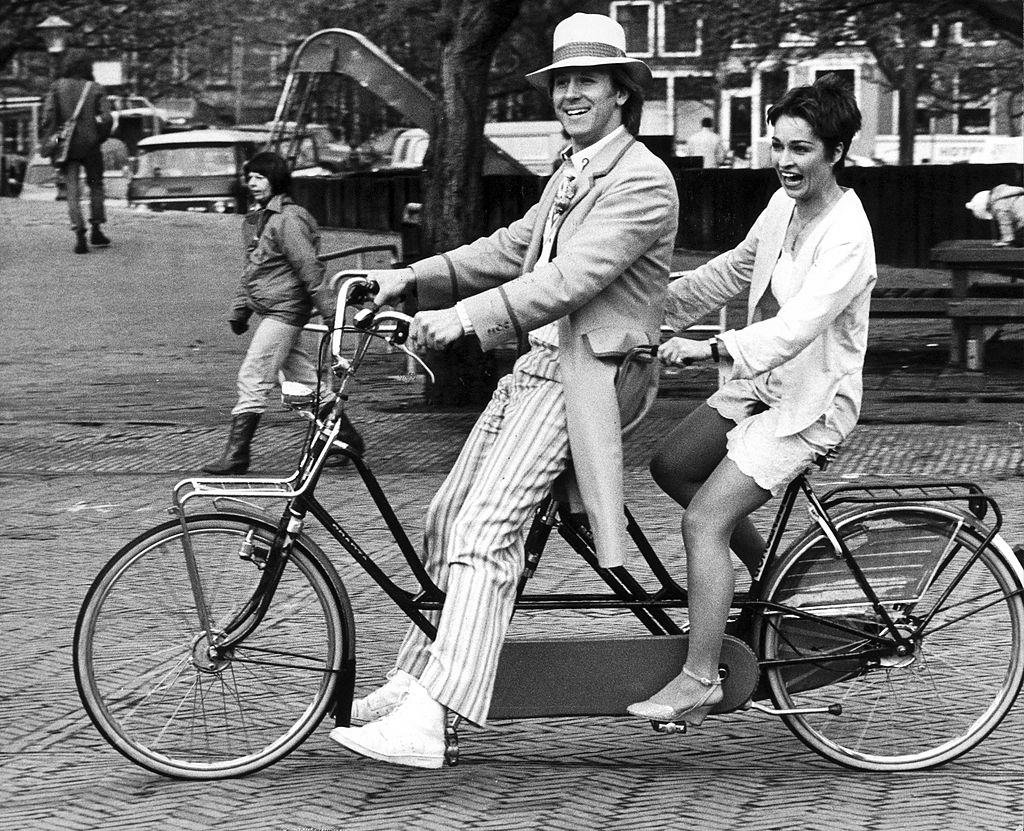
x=411, y=735
x=382, y=700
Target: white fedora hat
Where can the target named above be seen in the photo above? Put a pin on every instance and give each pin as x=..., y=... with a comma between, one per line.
x=589, y=40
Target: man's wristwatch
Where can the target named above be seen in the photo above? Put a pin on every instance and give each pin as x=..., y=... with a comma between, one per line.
x=715, y=355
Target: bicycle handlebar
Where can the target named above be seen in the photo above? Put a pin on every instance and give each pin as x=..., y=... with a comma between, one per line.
x=390, y=326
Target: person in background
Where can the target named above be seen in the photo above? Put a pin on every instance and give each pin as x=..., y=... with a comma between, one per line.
x=92, y=128
x=283, y=281
x=794, y=388
x=707, y=143
x=583, y=274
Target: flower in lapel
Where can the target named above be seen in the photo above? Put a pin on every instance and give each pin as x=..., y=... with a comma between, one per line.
x=563, y=196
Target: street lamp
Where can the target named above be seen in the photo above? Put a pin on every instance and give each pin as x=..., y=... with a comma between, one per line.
x=54, y=30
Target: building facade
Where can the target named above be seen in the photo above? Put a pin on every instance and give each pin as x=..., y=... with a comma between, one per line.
x=735, y=88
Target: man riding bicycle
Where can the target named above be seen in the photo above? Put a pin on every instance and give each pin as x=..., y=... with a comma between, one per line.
x=584, y=275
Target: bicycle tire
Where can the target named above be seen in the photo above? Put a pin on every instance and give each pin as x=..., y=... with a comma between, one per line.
x=899, y=713
x=151, y=689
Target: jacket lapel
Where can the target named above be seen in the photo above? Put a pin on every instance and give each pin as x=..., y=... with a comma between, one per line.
x=599, y=166
x=547, y=199
x=767, y=255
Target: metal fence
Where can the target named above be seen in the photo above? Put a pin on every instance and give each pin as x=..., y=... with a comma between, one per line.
x=910, y=208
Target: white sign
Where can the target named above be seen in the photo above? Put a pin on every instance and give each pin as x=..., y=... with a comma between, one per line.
x=108, y=73
x=950, y=149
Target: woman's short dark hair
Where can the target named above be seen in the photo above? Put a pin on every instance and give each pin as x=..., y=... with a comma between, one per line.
x=828, y=106
x=274, y=168
x=77, y=64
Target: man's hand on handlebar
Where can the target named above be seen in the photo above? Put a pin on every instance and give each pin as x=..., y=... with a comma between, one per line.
x=392, y=282
x=435, y=329
x=682, y=351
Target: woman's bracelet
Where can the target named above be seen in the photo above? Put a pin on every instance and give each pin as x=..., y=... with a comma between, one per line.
x=715, y=355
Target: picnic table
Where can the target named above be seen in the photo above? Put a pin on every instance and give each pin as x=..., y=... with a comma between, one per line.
x=986, y=292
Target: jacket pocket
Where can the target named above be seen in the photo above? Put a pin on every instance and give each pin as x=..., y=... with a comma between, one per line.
x=612, y=341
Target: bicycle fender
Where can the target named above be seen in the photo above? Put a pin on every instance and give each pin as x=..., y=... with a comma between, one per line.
x=239, y=509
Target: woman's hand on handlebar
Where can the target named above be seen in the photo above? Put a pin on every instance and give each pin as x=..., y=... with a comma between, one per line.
x=435, y=329
x=392, y=283
x=682, y=351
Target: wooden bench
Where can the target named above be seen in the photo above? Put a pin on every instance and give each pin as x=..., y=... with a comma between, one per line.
x=975, y=311
x=909, y=302
x=981, y=318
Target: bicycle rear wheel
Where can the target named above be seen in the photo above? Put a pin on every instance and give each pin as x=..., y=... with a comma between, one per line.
x=145, y=672
x=899, y=712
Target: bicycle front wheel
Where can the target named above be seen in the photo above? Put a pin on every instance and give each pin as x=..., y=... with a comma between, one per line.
x=960, y=606
x=158, y=693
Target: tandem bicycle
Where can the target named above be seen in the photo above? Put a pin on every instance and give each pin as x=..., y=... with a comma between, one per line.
x=888, y=635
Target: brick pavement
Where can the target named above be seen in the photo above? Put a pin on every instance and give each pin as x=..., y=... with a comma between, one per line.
x=116, y=376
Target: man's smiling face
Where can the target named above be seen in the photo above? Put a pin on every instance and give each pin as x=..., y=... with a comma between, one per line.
x=587, y=104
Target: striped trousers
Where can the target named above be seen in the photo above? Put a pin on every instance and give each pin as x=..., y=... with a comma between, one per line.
x=475, y=533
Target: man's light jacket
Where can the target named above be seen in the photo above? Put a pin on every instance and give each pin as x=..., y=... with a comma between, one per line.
x=605, y=285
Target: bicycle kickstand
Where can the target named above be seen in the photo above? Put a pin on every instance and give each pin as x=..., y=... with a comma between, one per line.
x=451, y=738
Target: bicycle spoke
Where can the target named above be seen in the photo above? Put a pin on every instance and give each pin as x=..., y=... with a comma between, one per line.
x=163, y=696
x=934, y=693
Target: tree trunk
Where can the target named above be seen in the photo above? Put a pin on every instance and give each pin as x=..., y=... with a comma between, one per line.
x=469, y=31
x=908, y=105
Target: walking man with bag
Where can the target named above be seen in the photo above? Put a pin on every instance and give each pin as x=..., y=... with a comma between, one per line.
x=76, y=97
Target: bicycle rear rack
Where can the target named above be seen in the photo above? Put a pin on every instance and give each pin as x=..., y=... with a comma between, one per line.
x=907, y=493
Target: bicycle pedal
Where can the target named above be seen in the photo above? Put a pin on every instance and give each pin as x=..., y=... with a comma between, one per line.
x=669, y=727
x=451, y=740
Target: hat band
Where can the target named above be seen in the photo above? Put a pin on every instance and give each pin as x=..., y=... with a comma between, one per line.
x=586, y=49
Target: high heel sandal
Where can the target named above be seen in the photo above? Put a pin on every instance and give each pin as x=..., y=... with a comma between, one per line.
x=692, y=714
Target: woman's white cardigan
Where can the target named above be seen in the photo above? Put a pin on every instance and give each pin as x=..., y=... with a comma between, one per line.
x=815, y=344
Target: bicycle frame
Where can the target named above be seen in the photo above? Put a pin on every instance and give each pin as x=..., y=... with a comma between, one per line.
x=626, y=591
x=835, y=628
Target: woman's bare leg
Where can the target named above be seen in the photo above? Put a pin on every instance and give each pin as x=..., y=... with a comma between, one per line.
x=684, y=461
x=726, y=498
x=719, y=504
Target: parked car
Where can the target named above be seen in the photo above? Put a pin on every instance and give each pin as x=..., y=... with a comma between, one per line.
x=135, y=118
x=13, y=165
x=376, y=151
x=309, y=160
x=534, y=145
x=40, y=182
x=332, y=153
x=202, y=170
x=410, y=148
x=853, y=160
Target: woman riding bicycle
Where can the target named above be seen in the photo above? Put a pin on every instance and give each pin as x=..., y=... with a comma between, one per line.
x=794, y=389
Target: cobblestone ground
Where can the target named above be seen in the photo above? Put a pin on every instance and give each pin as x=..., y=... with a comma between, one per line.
x=117, y=372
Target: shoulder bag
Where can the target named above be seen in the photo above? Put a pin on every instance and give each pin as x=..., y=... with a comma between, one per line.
x=55, y=145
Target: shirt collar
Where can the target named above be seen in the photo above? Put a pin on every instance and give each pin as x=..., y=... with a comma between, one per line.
x=276, y=203
x=581, y=158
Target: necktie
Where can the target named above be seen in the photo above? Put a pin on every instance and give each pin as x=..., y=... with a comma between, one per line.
x=563, y=198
